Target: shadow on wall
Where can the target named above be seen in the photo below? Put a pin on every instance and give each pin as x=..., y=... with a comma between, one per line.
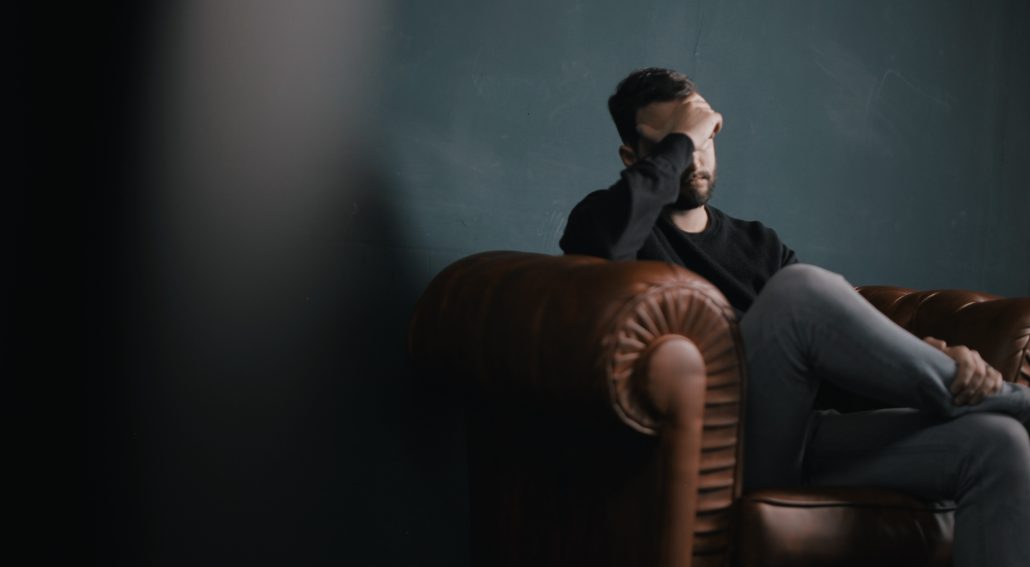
x=273, y=421
x=405, y=452
x=247, y=398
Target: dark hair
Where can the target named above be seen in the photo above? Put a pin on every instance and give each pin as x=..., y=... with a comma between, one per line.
x=639, y=89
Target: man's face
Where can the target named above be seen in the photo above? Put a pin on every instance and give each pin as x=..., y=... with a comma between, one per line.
x=698, y=181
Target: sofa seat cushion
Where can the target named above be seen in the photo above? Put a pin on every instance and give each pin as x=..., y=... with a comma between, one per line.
x=843, y=526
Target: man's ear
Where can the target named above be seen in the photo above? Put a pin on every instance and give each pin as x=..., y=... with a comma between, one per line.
x=628, y=156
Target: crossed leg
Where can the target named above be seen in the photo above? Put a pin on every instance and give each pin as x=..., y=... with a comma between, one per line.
x=810, y=324
x=980, y=460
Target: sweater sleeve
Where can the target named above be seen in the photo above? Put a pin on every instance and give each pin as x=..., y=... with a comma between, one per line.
x=613, y=223
x=779, y=255
x=788, y=256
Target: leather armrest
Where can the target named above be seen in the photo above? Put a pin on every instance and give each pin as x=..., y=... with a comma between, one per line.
x=572, y=330
x=998, y=328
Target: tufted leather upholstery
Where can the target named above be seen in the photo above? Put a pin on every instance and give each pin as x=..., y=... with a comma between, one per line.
x=604, y=409
x=997, y=327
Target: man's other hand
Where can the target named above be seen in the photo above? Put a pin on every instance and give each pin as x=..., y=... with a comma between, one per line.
x=692, y=116
x=974, y=378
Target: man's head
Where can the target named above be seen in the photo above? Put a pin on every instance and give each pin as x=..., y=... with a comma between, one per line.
x=650, y=97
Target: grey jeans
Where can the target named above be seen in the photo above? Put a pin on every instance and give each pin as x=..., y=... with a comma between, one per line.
x=808, y=325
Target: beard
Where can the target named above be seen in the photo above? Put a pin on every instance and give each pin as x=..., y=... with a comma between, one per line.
x=696, y=189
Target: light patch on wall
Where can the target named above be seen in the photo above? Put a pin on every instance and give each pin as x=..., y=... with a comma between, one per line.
x=259, y=113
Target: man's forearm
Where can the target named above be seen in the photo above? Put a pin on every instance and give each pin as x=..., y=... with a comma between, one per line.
x=614, y=223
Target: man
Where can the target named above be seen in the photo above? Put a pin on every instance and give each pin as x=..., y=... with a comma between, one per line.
x=959, y=432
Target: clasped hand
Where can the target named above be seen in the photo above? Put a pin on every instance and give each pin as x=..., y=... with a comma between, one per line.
x=974, y=378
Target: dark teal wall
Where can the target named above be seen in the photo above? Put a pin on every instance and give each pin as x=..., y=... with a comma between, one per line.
x=882, y=139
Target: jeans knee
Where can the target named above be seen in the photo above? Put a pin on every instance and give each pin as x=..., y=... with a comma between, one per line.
x=804, y=283
x=1000, y=444
x=804, y=276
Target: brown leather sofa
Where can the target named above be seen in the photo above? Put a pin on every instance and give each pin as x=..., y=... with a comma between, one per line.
x=604, y=407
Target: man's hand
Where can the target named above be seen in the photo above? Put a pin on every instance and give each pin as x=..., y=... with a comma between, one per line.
x=974, y=378
x=692, y=116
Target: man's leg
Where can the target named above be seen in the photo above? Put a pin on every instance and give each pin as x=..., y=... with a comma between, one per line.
x=981, y=461
x=810, y=324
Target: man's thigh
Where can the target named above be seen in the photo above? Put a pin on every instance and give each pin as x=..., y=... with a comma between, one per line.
x=903, y=449
x=981, y=461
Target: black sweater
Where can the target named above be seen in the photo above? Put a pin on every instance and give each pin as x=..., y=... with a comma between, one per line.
x=629, y=221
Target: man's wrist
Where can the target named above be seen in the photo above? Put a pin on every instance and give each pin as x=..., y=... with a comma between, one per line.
x=676, y=147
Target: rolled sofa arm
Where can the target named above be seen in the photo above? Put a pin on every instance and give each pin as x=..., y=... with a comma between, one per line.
x=574, y=330
x=998, y=328
x=651, y=344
